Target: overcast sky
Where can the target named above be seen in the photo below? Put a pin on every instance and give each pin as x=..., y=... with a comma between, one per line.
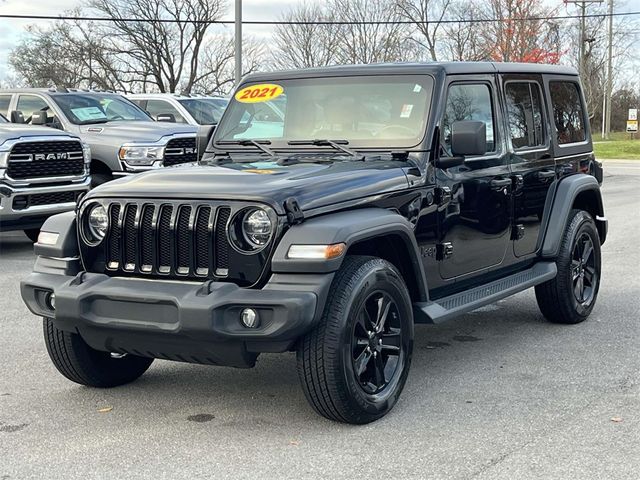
x=12, y=30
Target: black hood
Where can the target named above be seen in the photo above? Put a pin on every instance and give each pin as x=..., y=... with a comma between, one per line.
x=312, y=185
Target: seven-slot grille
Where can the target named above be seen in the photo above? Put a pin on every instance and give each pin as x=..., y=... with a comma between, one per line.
x=56, y=158
x=180, y=150
x=173, y=239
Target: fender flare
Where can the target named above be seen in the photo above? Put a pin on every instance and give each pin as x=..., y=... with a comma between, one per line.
x=349, y=227
x=561, y=201
x=66, y=246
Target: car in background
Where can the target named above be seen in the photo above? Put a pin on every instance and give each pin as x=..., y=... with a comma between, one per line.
x=123, y=138
x=192, y=110
x=43, y=172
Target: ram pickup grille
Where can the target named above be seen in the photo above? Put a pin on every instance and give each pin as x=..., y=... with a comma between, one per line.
x=22, y=202
x=180, y=150
x=56, y=158
x=172, y=239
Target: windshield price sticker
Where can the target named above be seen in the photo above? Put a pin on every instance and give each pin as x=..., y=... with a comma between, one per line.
x=259, y=93
x=88, y=113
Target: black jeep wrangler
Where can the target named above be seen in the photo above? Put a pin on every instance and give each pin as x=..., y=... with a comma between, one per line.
x=332, y=210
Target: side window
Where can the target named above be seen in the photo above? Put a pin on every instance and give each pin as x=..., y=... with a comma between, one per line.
x=469, y=102
x=524, y=109
x=567, y=112
x=156, y=107
x=27, y=104
x=5, y=100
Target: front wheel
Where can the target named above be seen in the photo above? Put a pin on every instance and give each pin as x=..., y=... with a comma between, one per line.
x=354, y=364
x=571, y=295
x=82, y=364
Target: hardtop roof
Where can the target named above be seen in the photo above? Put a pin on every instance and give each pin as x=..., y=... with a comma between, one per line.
x=450, y=68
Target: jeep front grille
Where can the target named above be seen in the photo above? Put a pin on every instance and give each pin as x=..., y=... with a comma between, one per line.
x=170, y=239
x=180, y=150
x=56, y=158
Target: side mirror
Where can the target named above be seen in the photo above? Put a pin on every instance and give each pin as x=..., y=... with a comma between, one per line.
x=17, y=117
x=205, y=132
x=39, y=118
x=468, y=138
x=166, y=117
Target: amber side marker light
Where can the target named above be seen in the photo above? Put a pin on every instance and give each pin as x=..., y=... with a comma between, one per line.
x=317, y=252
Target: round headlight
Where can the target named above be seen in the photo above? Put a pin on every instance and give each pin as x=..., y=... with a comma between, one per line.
x=97, y=223
x=256, y=227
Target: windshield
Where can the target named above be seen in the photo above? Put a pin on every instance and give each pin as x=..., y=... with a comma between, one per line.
x=205, y=111
x=86, y=109
x=371, y=111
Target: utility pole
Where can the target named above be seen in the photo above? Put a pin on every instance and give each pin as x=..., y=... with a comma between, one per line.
x=607, y=114
x=238, y=42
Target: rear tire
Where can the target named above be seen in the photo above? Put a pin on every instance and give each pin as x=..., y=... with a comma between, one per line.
x=82, y=364
x=353, y=365
x=32, y=234
x=570, y=297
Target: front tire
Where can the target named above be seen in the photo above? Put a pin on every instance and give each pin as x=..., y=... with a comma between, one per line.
x=82, y=364
x=570, y=297
x=353, y=365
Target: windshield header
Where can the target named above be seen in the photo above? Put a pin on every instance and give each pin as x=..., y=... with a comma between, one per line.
x=86, y=109
x=388, y=111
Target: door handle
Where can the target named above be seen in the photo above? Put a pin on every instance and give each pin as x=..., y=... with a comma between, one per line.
x=546, y=174
x=500, y=183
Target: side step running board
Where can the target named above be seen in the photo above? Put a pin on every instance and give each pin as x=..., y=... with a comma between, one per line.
x=454, y=305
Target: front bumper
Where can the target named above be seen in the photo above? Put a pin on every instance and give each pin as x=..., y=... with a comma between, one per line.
x=33, y=216
x=185, y=321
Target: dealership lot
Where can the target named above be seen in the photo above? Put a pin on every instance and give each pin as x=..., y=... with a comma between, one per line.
x=499, y=393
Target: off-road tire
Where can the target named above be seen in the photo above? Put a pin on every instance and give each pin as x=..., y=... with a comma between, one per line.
x=32, y=234
x=325, y=354
x=556, y=297
x=82, y=364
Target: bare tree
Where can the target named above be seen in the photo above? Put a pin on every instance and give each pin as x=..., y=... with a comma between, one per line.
x=217, y=64
x=462, y=40
x=370, y=42
x=163, y=53
x=427, y=16
x=306, y=44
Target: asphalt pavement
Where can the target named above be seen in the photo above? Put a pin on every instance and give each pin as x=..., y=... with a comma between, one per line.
x=496, y=394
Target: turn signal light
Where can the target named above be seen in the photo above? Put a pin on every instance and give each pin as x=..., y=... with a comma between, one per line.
x=319, y=252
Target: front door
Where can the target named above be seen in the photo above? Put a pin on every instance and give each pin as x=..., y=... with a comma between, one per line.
x=475, y=198
x=532, y=164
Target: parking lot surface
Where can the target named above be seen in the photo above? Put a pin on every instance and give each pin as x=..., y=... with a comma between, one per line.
x=497, y=394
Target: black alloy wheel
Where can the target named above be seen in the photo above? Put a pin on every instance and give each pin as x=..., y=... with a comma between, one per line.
x=376, y=345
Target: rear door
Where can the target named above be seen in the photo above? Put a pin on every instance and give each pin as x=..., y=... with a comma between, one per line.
x=475, y=198
x=532, y=163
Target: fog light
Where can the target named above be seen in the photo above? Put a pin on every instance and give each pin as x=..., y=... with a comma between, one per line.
x=249, y=318
x=51, y=300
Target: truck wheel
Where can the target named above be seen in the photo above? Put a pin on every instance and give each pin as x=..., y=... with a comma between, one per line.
x=32, y=234
x=354, y=364
x=82, y=364
x=571, y=295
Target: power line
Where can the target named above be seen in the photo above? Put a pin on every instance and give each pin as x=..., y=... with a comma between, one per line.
x=318, y=22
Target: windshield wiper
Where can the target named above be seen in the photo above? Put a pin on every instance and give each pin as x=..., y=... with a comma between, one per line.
x=336, y=144
x=259, y=144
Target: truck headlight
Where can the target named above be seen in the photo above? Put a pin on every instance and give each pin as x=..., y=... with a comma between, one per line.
x=86, y=152
x=140, y=155
x=256, y=227
x=97, y=223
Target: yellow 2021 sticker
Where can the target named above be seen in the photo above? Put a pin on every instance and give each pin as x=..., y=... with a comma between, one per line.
x=259, y=93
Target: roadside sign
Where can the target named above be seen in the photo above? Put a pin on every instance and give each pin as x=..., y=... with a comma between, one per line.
x=633, y=114
x=632, y=126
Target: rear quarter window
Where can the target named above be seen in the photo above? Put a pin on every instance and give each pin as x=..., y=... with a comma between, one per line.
x=568, y=113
